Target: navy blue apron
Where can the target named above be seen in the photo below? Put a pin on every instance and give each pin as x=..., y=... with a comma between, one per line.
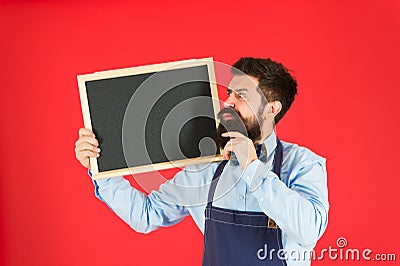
x=242, y=238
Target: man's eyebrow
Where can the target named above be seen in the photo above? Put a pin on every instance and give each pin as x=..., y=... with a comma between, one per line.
x=238, y=90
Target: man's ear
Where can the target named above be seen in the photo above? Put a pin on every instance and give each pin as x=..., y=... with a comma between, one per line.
x=273, y=109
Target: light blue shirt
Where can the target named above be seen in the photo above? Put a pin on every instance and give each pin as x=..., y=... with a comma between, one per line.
x=298, y=203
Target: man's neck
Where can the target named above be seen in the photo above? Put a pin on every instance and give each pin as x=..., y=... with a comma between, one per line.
x=264, y=136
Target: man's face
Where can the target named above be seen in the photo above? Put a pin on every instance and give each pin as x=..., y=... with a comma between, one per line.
x=243, y=110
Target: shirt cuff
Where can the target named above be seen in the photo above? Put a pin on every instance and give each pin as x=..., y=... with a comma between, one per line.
x=97, y=184
x=255, y=173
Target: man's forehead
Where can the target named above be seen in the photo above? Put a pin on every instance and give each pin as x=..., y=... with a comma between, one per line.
x=243, y=81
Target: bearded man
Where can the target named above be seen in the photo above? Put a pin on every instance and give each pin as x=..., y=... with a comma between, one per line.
x=266, y=204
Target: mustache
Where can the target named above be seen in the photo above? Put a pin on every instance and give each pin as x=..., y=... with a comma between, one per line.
x=236, y=123
x=228, y=110
x=248, y=127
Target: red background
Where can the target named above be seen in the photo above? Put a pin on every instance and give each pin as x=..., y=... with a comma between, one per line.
x=345, y=55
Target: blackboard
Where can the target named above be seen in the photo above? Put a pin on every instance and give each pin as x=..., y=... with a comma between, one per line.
x=151, y=117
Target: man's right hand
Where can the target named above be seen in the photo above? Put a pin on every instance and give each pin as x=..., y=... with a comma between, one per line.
x=86, y=146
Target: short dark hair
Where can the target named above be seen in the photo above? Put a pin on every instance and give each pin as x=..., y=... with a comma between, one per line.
x=274, y=80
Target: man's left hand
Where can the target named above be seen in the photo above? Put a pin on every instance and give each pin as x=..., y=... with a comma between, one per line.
x=242, y=146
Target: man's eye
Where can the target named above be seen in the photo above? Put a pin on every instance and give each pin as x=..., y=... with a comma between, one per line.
x=229, y=92
x=240, y=95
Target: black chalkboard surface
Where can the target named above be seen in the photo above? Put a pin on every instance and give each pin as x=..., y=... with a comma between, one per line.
x=151, y=117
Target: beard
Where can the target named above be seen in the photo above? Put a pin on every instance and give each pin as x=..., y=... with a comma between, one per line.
x=250, y=127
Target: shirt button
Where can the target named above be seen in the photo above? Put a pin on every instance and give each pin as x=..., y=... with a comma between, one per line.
x=241, y=197
x=262, y=199
x=248, y=178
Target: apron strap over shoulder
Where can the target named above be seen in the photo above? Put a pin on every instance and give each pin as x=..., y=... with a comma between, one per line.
x=278, y=158
x=214, y=182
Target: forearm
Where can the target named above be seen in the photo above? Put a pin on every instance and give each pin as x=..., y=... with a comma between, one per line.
x=143, y=213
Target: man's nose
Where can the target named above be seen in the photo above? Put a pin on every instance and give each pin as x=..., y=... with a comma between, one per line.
x=230, y=102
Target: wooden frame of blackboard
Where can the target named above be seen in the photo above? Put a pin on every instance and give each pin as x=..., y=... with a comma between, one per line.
x=82, y=79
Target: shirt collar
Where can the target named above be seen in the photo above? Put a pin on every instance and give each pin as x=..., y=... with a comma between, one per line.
x=264, y=150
